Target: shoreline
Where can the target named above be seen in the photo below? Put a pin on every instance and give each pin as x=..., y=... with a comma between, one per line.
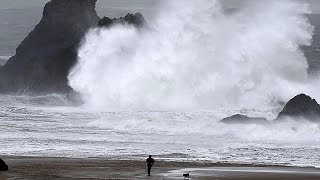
x=205, y=163
x=23, y=167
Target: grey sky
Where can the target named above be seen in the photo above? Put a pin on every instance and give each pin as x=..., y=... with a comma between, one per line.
x=129, y=4
x=315, y=5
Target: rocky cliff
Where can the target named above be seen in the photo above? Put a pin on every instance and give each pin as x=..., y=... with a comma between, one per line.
x=134, y=19
x=43, y=60
x=301, y=107
x=241, y=119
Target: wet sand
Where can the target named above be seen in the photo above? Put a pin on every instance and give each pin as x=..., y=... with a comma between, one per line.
x=66, y=168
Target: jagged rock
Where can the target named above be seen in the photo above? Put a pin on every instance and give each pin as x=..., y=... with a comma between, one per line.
x=301, y=107
x=43, y=60
x=136, y=19
x=3, y=166
x=241, y=119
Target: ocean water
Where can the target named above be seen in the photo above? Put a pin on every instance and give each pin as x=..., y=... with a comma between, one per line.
x=138, y=124
x=48, y=126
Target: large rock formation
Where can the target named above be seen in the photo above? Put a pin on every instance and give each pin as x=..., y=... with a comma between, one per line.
x=301, y=107
x=134, y=19
x=3, y=166
x=241, y=119
x=43, y=60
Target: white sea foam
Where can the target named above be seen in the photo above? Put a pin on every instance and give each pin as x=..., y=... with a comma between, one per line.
x=194, y=55
x=5, y=57
x=72, y=132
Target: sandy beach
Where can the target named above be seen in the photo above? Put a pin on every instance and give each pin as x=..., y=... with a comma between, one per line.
x=67, y=168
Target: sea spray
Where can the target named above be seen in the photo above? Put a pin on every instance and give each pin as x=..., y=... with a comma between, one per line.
x=197, y=55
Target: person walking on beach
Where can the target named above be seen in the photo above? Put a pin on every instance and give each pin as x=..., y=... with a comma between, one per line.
x=150, y=162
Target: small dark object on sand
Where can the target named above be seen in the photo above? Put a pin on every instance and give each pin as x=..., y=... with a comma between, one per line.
x=187, y=175
x=3, y=166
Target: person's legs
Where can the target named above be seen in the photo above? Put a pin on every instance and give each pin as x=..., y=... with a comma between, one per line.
x=149, y=169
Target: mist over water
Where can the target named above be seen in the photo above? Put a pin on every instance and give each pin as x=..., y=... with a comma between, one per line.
x=197, y=55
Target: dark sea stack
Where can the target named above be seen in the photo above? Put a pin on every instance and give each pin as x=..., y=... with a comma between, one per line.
x=3, y=166
x=241, y=119
x=43, y=60
x=301, y=107
x=136, y=19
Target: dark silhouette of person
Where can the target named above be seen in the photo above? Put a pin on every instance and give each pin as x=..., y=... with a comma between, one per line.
x=150, y=162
